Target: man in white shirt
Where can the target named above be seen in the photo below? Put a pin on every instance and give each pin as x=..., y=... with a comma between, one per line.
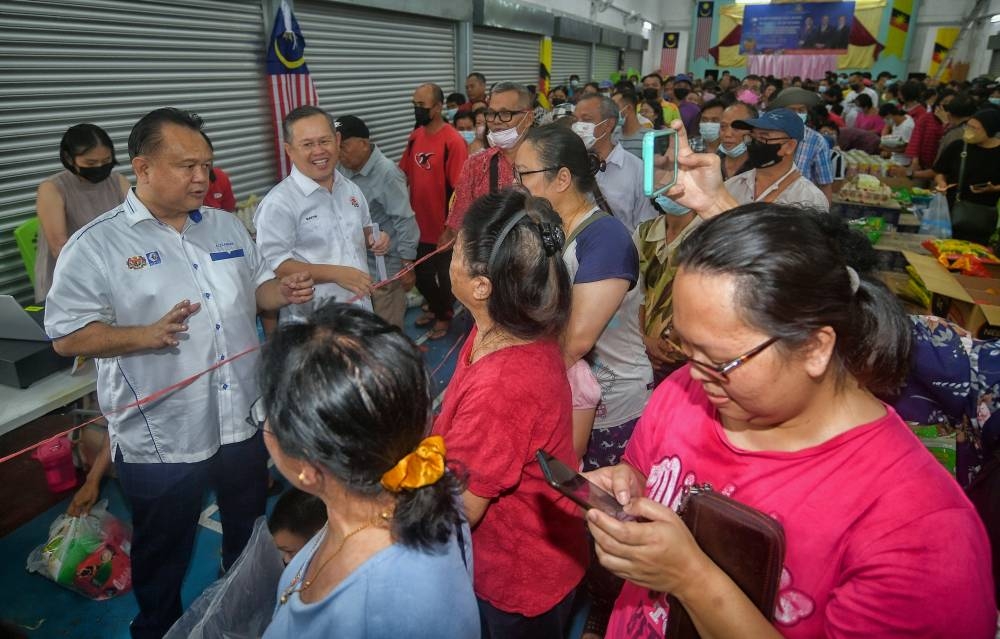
x=621, y=177
x=774, y=177
x=314, y=220
x=115, y=297
x=898, y=131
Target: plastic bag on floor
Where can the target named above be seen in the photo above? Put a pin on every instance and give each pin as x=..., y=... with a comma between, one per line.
x=240, y=604
x=88, y=554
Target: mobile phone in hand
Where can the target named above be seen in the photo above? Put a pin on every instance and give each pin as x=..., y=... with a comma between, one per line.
x=659, y=160
x=578, y=488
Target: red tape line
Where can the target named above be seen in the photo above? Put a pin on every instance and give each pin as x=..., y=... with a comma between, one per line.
x=188, y=380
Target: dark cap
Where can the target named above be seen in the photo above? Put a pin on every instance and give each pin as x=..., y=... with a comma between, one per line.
x=349, y=126
x=776, y=120
x=794, y=95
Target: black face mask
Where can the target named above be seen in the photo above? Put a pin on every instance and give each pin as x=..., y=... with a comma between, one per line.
x=422, y=115
x=856, y=88
x=762, y=155
x=650, y=94
x=95, y=174
x=558, y=101
x=680, y=94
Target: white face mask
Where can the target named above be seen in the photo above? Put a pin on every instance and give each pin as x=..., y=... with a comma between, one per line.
x=586, y=132
x=506, y=139
x=803, y=117
x=709, y=131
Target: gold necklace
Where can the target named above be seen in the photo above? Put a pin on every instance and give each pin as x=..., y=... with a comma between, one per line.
x=487, y=340
x=307, y=583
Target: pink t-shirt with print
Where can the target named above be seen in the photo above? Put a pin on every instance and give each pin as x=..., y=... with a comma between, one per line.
x=880, y=539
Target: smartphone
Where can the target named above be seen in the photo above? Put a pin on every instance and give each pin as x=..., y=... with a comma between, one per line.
x=659, y=161
x=578, y=488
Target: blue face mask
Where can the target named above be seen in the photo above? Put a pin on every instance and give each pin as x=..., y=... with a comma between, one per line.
x=709, y=130
x=995, y=101
x=448, y=114
x=736, y=151
x=469, y=136
x=670, y=207
x=803, y=117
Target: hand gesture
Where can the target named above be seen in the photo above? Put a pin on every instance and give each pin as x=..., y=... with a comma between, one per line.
x=448, y=235
x=409, y=280
x=699, y=177
x=297, y=288
x=659, y=554
x=981, y=188
x=166, y=331
x=380, y=246
x=357, y=282
x=944, y=188
x=621, y=480
x=84, y=499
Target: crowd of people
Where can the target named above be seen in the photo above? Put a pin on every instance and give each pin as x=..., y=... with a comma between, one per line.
x=728, y=332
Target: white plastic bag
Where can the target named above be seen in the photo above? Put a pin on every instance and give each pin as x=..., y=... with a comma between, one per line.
x=241, y=603
x=936, y=220
x=87, y=554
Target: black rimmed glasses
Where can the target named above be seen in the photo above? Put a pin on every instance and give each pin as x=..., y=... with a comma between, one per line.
x=501, y=116
x=519, y=174
x=258, y=415
x=720, y=372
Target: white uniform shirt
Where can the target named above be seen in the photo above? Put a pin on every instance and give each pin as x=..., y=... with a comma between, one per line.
x=126, y=268
x=300, y=220
x=621, y=184
x=801, y=191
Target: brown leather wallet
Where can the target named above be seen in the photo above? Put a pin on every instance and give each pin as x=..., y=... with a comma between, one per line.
x=746, y=544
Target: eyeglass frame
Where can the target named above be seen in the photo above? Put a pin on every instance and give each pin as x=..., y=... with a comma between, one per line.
x=519, y=174
x=498, y=116
x=258, y=405
x=721, y=371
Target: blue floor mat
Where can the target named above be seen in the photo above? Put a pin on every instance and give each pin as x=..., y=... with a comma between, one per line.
x=42, y=609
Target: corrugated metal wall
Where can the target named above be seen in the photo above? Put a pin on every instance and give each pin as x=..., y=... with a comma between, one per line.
x=605, y=62
x=505, y=56
x=109, y=62
x=633, y=60
x=569, y=58
x=367, y=63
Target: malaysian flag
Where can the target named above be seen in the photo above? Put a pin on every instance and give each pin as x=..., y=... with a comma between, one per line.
x=668, y=54
x=289, y=83
x=703, y=29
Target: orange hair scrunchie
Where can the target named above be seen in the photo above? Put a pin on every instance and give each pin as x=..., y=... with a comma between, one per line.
x=423, y=467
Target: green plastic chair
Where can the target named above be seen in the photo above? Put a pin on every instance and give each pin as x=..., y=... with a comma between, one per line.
x=26, y=236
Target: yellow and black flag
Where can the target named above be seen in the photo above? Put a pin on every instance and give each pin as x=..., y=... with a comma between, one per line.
x=899, y=28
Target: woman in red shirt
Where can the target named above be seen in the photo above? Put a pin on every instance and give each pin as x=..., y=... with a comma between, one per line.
x=509, y=396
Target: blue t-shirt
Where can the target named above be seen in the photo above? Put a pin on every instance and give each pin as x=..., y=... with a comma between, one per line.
x=604, y=251
x=397, y=592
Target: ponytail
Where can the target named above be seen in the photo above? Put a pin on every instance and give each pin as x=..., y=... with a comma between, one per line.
x=427, y=517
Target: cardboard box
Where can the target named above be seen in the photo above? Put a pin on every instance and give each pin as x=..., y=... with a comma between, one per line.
x=971, y=302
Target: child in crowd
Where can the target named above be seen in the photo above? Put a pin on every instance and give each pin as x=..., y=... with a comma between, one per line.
x=296, y=518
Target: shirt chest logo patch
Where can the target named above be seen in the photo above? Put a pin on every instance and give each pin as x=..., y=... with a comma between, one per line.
x=136, y=262
x=423, y=159
x=153, y=258
x=355, y=203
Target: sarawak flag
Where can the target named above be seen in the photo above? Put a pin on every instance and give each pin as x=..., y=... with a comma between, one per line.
x=668, y=55
x=289, y=83
x=544, y=71
x=703, y=29
x=899, y=27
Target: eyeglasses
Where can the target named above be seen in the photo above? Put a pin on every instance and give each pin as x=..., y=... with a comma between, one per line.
x=258, y=415
x=720, y=372
x=760, y=138
x=519, y=174
x=326, y=143
x=501, y=116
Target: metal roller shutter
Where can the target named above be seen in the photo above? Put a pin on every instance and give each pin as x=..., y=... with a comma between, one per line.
x=605, y=62
x=109, y=62
x=570, y=58
x=633, y=60
x=505, y=56
x=367, y=63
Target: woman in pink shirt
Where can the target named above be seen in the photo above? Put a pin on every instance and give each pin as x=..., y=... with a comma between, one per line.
x=786, y=345
x=868, y=119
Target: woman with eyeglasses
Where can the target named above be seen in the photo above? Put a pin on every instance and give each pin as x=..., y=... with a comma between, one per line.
x=776, y=408
x=346, y=410
x=509, y=396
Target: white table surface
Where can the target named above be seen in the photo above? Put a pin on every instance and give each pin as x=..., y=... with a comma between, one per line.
x=19, y=406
